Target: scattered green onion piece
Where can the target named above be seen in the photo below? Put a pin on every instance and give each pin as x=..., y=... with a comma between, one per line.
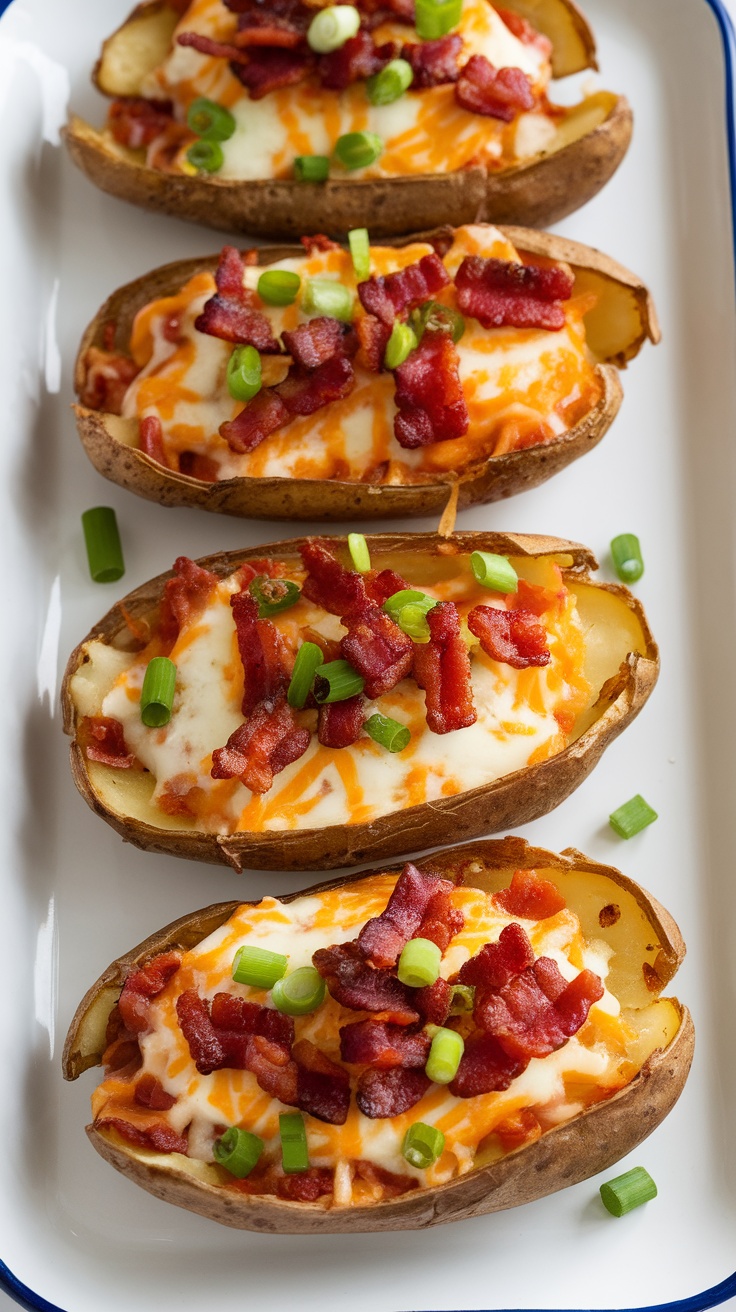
x=360, y=252
x=494, y=572
x=422, y=1145
x=359, y=553
x=244, y=373
x=437, y=17
x=387, y=733
x=401, y=343
x=391, y=83
x=325, y=296
x=408, y=597
x=279, y=286
x=419, y=963
x=632, y=817
x=210, y=121
x=357, y=150
x=238, y=1151
x=332, y=27
x=435, y=317
x=300, y=992
x=102, y=539
x=462, y=1000
x=157, y=693
x=273, y=595
x=206, y=156
x=308, y=660
x=311, y=168
x=336, y=681
x=258, y=967
x=628, y=1191
x=412, y=620
x=444, y=1056
x=294, y=1150
x=627, y=557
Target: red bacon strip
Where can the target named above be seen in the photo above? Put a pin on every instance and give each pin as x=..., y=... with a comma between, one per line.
x=381, y=586
x=141, y=986
x=317, y=341
x=150, y=1092
x=526, y=1022
x=206, y=45
x=495, y=92
x=161, y=1138
x=184, y=596
x=354, y=983
x=238, y=1015
x=434, y=62
x=340, y=724
x=101, y=738
x=305, y=1186
x=328, y=584
x=433, y=1002
x=318, y=241
x=256, y=421
x=247, y=1037
x=429, y=394
x=273, y=1068
x=107, y=377
x=358, y=58
x=323, y=1087
x=373, y=337
x=204, y=1043
x=271, y=68
x=500, y=293
x=151, y=439
x=261, y=652
x=442, y=669
x=230, y=314
x=441, y=921
x=530, y=897
x=375, y=1043
x=383, y=937
x=484, y=1068
x=261, y=748
x=301, y=393
x=383, y=1094
x=136, y=122
x=498, y=963
x=377, y=648
x=389, y=295
x=514, y=637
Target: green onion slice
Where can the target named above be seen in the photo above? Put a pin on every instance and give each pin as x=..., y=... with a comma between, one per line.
x=401, y=343
x=279, y=286
x=311, y=168
x=628, y=1191
x=357, y=150
x=422, y=1145
x=419, y=963
x=391, y=83
x=359, y=553
x=300, y=992
x=308, y=660
x=206, y=156
x=210, y=121
x=244, y=373
x=444, y=1056
x=360, y=252
x=627, y=557
x=494, y=572
x=157, y=694
x=273, y=595
x=387, y=733
x=434, y=317
x=326, y=296
x=294, y=1149
x=332, y=27
x=238, y=1151
x=632, y=817
x=437, y=17
x=462, y=999
x=408, y=597
x=258, y=967
x=102, y=539
x=412, y=620
x=336, y=681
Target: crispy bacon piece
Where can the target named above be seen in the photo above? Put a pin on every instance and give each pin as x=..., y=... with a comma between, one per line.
x=389, y=295
x=434, y=62
x=381, y=586
x=306, y=1186
x=315, y=342
x=230, y=1012
x=271, y=68
x=441, y=921
x=141, y=986
x=524, y=31
x=383, y=937
x=136, y=122
x=101, y=738
x=358, y=58
x=270, y=740
x=513, y=637
x=390, y=1184
x=382, y=1094
x=160, y=1137
x=231, y=314
x=246, y=1037
x=256, y=421
x=529, y=896
x=496, y=92
x=484, y=1068
x=373, y=337
x=323, y=1087
x=185, y=596
x=273, y=1068
x=198, y=466
x=429, y=394
x=207, y=45
x=375, y=1043
x=150, y=1092
x=354, y=983
x=328, y=584
x=340, y=724
x=433, y=1002
x=376, y=647
x=526, y=1022
x=151, y=439
x=499, y=962
x=204, y=1043
x=301, y=393
x=442, y=669
x=318, y=241
x=501, y=293
x=261, y=651
x=539, y=600
x=107, y=377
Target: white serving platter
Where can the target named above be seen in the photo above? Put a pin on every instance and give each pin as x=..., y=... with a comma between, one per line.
x=73, y=896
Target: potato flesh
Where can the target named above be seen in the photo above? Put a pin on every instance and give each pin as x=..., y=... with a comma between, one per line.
x=131, y=53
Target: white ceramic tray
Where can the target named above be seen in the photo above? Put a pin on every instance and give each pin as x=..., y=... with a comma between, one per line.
x=71, y=1230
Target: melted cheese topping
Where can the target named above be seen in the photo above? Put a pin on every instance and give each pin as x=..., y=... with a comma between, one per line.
x=522, y=387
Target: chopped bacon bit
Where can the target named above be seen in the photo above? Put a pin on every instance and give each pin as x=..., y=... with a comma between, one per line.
x=270, y=740
x=539, y=600
x=496, y=92
x=256, y=421
x=441, y=920
x=389, y=295
x=262, y=653
x=433, y=1002
x=382, y=586
x=259, y=29
x=499, y=962
x=323, y=1087
x=206, y=45
x=526, y=1022
x=306, y=1186
x=484, y=1068
x=273, y=1069
x=340, y=724
x=301, y=393
x=151, y=439
x=258, y=1041
x=184, y=596
x=442, y=669
x=315, y=342
x=523, y=31
x=230, y=313
x=390, y=1184
x=434, y=62
x=383, y=937
x=136, y=122
x=101, y=738
x=318, y=242
x=354, y=983
x=382, y=1094
x=376, y=1043
x=530, y=897
x=205, y=1046
x=160, y=1137
x=328, y=584
x=513, y=637
x=549, y=977
x=609, y=915
x=141, y=986
x=358, y=58
x=107, y=377
x=271, y=68
x=501, y=293
x=150, y=1092
x=231, y=1012
x=196, y=465
x=429, y=394
x=376, y=647
x=373, y=337
x=124, y=1057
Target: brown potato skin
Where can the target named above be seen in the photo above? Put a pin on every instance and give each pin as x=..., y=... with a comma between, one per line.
x=512, y=800
x=565, y=1155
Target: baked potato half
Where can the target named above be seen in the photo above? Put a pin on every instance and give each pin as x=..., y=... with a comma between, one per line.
x=448, y=155
x=493, y=713
x=536, y=398
x=498, y=1136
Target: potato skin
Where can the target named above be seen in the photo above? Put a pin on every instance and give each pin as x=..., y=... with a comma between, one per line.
x=564, y=1155
x=512, y=800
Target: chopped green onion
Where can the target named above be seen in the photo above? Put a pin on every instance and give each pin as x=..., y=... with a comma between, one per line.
x=412, y=620
x=294, y=1150
x=325, y=296
x=102, y=539
x=392, y=81
x=434, y=317
x=462, y=999
x=408, y=597
x=628, y=1191
x=206, y=156
x=244, y=373
x=437, y=17
x=422, y=1145
x=311, y=168
x=279, y=287
x=444, y=1056
x=632, y=817
x=273, y=595
x=300, y=992
x=258, y=967
x=332, y=27
x=238, y=1151
x=494, y=572
x=627, y=557
x=357, y=150
x=308, y=660
x=387, y=733
x=210, y=121
x=336, y=681
x=359, y=553
x=360, y=252
x=157, y=694
x=419, y=963
x=402, y=341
